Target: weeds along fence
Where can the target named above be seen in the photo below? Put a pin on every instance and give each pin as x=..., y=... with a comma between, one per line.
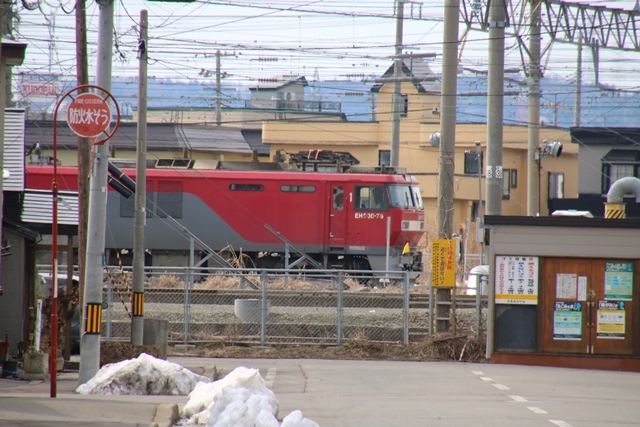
x=279, y=306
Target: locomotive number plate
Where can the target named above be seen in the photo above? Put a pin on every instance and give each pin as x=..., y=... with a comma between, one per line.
x=369, y=215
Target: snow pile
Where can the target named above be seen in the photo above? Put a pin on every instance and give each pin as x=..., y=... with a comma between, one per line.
x=145, y=375
x=201, y=399
x=240, y=399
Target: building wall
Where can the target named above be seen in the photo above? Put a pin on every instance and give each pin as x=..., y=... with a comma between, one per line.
x=13, y=301
x=590, y=168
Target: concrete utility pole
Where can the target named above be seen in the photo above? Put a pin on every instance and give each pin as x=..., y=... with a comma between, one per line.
x=140, y=216
x=84, y=148
x=218, y=90
x=446, y=168
x=495, y=106
x=578, y=100
x=533, y=177
x=397, y=86
x=90, y=345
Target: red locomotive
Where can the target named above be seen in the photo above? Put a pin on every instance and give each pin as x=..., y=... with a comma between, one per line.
x=359, y=221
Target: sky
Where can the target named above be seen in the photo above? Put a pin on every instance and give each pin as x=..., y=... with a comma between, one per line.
x=240, y=399
x=330, y=39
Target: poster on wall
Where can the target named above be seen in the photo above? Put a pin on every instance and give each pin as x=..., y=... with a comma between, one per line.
x=566, y=286
x=618, y=280
x=611, y=319
x=567, y=320
x=516, y=280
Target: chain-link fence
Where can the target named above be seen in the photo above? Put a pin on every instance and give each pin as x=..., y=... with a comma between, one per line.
x=292, y=307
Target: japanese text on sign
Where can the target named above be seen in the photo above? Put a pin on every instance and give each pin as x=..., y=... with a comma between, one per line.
x=443, y=263
x=88, y=115
x=516, y=280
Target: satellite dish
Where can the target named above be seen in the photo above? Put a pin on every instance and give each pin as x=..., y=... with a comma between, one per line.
x=434, y=139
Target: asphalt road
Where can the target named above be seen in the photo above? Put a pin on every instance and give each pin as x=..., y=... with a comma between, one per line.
x=444, y=394
x=365, y=393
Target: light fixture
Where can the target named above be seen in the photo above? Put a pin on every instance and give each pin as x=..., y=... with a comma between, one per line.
x=550, y=148
x=434, y=139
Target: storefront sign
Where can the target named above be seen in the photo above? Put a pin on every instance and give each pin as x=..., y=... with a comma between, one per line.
x=516, y=280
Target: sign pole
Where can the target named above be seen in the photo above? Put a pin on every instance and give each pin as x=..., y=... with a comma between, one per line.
x=89, y=116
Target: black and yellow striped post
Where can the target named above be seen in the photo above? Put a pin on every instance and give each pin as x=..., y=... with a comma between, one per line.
x=138, y=304
x=94, y=318
x=614, y=210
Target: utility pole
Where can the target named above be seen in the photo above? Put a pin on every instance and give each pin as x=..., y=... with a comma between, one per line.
x=533, y=180
x=397, y=85
x=495, y=106
x=446, y=168
x=90, y=343
x=218, y=90
x=84, y=148
x=578, y=100
x=140, y=216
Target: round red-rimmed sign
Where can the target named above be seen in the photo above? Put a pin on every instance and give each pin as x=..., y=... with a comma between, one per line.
x=88, y=115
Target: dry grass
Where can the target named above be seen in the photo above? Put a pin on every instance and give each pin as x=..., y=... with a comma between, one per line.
x=440, y=347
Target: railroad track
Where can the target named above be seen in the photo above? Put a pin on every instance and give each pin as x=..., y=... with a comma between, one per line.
x=298, y=298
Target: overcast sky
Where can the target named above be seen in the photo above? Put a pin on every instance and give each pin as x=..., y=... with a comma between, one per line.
x=333, y=38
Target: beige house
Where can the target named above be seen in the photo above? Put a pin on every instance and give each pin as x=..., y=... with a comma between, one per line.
x=370, y=143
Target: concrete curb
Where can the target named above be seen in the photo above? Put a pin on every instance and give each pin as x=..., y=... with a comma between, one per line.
x=167, y=414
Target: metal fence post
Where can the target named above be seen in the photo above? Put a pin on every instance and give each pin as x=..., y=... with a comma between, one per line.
x=340, y=309
x=264, y=308
x=108, y=331
x=187, y=305
x=405, y=310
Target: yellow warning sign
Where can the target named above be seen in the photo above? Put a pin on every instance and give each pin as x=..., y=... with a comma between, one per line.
x=443, y=263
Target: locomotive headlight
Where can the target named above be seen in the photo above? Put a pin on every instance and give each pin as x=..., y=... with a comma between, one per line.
x=413, y=225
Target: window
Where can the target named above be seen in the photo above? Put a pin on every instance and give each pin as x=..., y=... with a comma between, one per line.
x=298, y=188
x=404, y=105
x=404, y=196
x=556, y=185
x=338, y=198
x=506, y=184
x=169, y=199
x=471, y=166
x=384, y=157
x=618, y=164
x=370, y=198
x=514, y=178
x=246, y=187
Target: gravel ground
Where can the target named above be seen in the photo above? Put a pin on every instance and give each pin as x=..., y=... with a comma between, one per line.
x=374, y=319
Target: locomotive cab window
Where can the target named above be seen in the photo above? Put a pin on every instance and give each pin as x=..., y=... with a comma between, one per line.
x=405, y=196
x=370, y=198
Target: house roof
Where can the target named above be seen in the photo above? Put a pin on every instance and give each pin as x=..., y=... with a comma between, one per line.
x=160, y=136
x=605, y=136
x=418, y=68
x=279, y=82
x=561, y=221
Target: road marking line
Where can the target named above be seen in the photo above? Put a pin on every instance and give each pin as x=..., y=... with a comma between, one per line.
x=560, y=423
x=536, y=410
x=518, y=398
x=477, y=372
x=270, y=377
x=500, y=387
x=486, y=379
